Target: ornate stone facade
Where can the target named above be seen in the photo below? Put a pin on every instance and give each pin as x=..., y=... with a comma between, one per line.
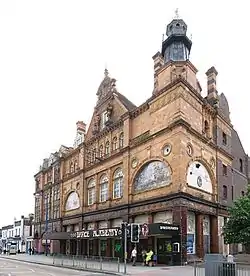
x=156, y=162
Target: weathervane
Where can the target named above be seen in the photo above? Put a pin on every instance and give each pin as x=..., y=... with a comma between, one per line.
x=177, y=13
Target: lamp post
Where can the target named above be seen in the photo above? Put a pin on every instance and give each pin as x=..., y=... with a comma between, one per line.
x=39, y=195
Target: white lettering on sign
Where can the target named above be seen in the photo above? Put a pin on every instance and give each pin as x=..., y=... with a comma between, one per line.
x=168, y=227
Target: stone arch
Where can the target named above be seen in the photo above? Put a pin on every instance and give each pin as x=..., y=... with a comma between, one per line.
x=207, y=184
x=75, y=204
x=150, y=167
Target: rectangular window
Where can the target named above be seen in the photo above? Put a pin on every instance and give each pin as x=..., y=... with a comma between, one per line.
x=104, y=119
x=224, y=192
x=224, y=170
x=241, y=165
x=224, y=138
x=232, y=192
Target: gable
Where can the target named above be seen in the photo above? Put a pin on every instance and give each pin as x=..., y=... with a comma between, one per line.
x=111, y=105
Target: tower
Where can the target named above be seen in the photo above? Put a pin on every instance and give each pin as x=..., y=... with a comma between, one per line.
x=172, y=63
x=177, y=46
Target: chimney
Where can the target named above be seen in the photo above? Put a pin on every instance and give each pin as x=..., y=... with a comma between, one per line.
x=211, y=83
x=81, y=127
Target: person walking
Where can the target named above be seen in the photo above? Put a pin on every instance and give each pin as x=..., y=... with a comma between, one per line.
x=133, y=256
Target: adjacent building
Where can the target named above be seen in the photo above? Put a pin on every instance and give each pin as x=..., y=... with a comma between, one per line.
x=173, y=164
x=18, y=234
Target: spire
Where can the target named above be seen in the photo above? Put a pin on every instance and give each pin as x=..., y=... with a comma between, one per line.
x=177, y=14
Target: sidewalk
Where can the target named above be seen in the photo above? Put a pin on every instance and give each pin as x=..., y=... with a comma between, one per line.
x=104, y=267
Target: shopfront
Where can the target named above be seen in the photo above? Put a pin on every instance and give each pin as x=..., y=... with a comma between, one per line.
x=163, y=239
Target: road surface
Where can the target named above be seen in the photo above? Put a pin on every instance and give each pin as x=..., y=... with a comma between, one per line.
x=16, y=268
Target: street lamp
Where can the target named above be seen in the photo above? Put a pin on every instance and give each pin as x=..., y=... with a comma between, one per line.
x=39, y=195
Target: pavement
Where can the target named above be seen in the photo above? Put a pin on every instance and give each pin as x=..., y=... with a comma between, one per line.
x=94, y=266
x=14, y=268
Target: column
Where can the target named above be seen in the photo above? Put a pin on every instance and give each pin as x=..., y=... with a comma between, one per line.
x=150, y=239
x=109, y=242
x=214, y=244
x=180, y=218
x=199, y=236
x=95, y=243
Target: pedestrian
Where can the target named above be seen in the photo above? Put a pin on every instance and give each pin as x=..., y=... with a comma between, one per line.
x=133, y=256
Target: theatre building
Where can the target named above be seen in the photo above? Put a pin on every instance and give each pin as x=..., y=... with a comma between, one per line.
x=157, y=164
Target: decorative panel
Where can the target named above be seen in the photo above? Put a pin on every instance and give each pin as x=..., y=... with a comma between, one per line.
x=141, y=219
x=220, y=225
x=191, y=233
x=206, y=225
x=152, y=175
x=73, y=202
x=91, y=226
x=198, y=177
x=191, y=223
x=116, y=222
x=102, y=224
x=165, y=217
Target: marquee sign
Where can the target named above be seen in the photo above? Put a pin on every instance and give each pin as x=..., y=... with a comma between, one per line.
x=101, y=233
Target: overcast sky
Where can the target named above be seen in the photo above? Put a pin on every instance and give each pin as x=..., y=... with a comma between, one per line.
x=53, y=55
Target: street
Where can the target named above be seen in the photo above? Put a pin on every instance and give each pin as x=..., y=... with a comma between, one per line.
x=15, y=268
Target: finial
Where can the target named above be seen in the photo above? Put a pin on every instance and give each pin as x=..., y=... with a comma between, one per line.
x=177, y=13
x=106, y=72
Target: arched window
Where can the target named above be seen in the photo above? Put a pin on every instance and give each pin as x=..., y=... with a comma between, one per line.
x=206, y=128
x=71, y=167
x=104, y=188
x=91, y=191
x=114, y=144
x=121, y=140
x=107, y=148
x=75, y=165
x=101, y=151
x=118, y=183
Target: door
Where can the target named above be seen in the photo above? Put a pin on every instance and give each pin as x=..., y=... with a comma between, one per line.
x=164, y=251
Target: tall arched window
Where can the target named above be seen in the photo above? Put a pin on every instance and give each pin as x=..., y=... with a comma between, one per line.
x=75, y=165
x=101, y=151
x=104, y=188
x=121, y=140
x=91, y=191
x=118, y=183
x=114, y=144
x=107, y=148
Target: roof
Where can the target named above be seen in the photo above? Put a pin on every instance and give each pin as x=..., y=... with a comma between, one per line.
x=126, y=102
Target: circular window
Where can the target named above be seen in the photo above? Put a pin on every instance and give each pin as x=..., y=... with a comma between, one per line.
x=199, y=181
x=166, y=150
x=190, y=150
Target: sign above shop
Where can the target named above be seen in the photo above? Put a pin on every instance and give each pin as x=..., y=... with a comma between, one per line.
x=101, y=233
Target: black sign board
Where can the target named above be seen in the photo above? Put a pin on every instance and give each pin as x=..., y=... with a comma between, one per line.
x=101, y=233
